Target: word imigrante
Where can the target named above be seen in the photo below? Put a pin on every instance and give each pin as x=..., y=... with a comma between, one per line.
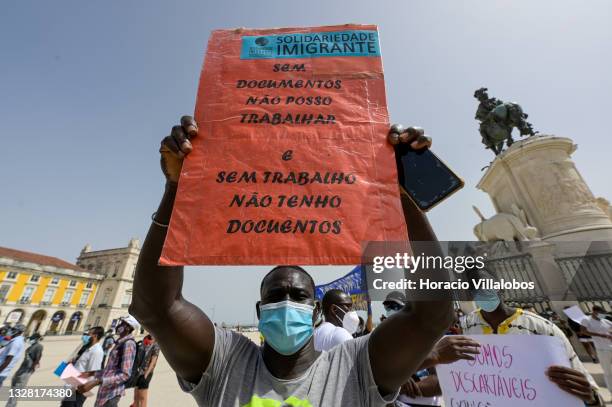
x=277, y=177
x=287, y=226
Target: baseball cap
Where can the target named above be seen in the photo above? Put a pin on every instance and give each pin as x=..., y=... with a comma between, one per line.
x=397, y=297
x=131, y=321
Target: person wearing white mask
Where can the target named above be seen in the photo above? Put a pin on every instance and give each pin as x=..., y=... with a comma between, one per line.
x=341, y=322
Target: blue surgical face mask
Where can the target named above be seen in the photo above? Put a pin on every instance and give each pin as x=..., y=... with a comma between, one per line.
x=85, y=339
x=487, y=300
x=286, y=325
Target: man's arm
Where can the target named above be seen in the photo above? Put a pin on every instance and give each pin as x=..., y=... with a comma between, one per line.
x=401, y=343
x=585, y=331
x=183, y=331
x=7, y=361
x=151, y=366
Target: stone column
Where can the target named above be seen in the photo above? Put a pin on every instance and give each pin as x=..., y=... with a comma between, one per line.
x=538, y=175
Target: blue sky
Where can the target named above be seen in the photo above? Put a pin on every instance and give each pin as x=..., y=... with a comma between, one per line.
x=87, y=90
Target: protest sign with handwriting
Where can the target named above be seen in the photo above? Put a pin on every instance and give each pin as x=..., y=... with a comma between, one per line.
x=291, y=165
x=509, y=372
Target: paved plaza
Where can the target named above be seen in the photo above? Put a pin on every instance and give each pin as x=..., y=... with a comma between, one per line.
x=164, y=390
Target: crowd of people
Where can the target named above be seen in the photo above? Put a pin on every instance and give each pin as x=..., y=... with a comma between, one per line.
x=321, y=353
x=311, y=353
x=112, y=360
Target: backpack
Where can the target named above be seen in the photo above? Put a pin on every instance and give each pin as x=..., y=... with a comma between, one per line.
x=137, y=367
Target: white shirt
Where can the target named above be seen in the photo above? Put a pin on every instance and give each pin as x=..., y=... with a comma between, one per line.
x=91, y=359
x=328, y=335
x=15, y=348
x=603, y=326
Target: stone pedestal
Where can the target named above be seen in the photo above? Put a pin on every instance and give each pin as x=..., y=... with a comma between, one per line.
x=538, y=176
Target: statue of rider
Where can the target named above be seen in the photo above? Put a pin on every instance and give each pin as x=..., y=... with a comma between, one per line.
x=497, y=119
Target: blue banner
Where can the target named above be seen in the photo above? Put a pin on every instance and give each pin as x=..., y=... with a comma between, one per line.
x=353, y=283
x=355, y=43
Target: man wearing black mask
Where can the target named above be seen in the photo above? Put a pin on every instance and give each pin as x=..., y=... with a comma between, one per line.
x=222, y=368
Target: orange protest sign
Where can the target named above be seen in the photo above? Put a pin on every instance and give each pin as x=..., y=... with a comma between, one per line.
x=291, y=165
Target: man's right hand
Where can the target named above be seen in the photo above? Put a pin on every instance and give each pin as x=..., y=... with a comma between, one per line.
x=450, y=349
x=176, y=146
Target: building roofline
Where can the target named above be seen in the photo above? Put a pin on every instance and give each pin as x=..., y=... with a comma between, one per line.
x=40, y=262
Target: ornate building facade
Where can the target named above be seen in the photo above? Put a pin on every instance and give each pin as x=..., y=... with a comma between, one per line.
x=46, y=294
x=54, y=297
x=115, y=291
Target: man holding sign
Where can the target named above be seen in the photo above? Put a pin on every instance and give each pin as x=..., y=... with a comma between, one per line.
x=223, y=368
x=493, y=316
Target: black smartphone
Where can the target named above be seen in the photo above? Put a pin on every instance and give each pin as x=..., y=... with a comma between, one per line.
x=424, y=177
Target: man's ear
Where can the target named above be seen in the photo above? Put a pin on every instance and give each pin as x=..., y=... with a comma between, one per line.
x=316, y=313
x=257, y=308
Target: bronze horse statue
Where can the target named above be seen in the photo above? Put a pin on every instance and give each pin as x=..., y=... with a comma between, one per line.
x=498, y=119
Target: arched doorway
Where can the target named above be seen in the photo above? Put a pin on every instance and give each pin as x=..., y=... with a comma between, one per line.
x=36, y=321
x=56, y=322
x=14, y=317
x=74, y=322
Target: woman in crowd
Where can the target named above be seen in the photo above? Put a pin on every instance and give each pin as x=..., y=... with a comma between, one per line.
x=150, y=360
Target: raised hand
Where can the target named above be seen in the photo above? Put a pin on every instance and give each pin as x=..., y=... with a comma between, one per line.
x=176, y=146
x=414, y=136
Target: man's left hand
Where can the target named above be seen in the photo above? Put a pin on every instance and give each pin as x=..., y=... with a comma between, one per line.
x=413, y=136
x=573, y=382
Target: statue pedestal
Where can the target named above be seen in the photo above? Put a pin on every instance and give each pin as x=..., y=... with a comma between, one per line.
x=538, y=175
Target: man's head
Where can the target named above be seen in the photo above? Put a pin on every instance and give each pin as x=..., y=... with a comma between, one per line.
x=287, y=310
x=127, y=325
x=481, y=94
x=335, y=304
x=395, y=301
x=96, y=333
x=18, y=330
x=596, y=311
x=287, y=283
x=35, y=337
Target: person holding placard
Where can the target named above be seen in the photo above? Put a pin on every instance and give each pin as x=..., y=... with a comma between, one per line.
x=88, y=360
x=493, y=316
x=222, y=368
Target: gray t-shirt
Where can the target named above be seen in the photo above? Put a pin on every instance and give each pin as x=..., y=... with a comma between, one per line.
x=237, y=377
